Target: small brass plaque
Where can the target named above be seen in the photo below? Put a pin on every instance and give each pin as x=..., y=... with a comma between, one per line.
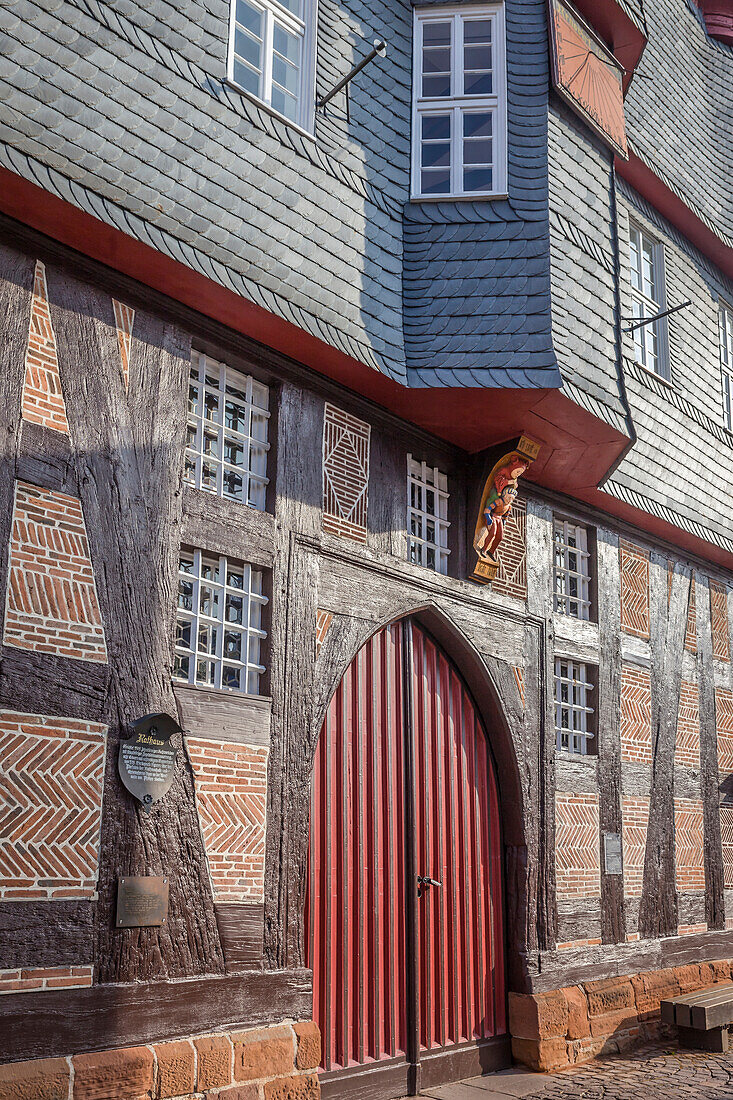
x=142, y=901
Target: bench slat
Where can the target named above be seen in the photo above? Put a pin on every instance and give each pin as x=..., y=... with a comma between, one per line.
x=702, y=1010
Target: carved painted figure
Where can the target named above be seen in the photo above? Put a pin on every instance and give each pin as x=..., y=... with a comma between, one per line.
x=499, y=495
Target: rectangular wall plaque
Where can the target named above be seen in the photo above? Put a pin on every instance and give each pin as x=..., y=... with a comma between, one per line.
x=142, y=901
x=612, y=853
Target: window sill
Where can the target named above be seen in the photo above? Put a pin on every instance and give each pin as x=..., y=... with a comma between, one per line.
x=270, y=110
x=479, y=197
x=652, y=373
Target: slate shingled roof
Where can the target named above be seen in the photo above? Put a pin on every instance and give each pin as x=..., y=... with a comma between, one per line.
x=679, y=109
x=122, y=108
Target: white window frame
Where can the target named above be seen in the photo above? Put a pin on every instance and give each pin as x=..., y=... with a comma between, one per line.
x=458, y=104
x=201, y=429
x=421, y=545
x=650, y=306
x=573, y=736
x=725, y=324
x=305, y=28
x=573, y=566
x=254, y=600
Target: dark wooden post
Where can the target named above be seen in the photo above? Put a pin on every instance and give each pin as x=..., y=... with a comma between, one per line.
x=539, y=740
x=127, y=451
x=709, y=781
x=613, y=917
x=668, y=620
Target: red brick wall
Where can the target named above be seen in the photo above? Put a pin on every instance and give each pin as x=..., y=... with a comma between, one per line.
x=52, y=977
x=231, y=792
x=43, y=401
x=687, y=746
x=688, y=824
x=323, y=622
x=124, y=319
x=636, y=714
x=719, y=617
x=345, y=474
x=511, y=578
x=634, y=589
x=635, y=813
x=51, y=780
x=724, y=727
x=691, y=631
x=577, y=840
x=726, y=829
x=52, y=600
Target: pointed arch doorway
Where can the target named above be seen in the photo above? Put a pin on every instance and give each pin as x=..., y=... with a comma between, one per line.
x=408, y=974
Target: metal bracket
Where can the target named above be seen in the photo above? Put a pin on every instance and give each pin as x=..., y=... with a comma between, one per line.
x=380, y=48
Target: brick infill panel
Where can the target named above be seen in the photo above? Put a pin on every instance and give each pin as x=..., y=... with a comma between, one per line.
x=636, y=714
x=719, y=621
x=511, y=578
x=346, y=441
x=687, y=744
x=635, y=822
x=52, y=604
x=634, y=589
x=724, y=728
x=43, y=400
x=577, y=850
x=54, y=977
x=278, y=1061
x=689, y=844
x=52, y=779
x=231, y=795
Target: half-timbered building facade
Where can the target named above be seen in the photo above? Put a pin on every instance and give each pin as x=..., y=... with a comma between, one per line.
x=382, y=441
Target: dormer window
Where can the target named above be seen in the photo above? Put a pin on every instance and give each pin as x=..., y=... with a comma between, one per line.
x=459, y=103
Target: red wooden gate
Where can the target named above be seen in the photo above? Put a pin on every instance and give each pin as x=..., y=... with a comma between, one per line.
x=404, y=786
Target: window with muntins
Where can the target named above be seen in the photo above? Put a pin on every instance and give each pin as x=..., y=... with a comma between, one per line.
x=427, y=519
x=572, y=569
x=573, y=716
x=459, y=102
x=226, y=447
x=271, y=55
x=646, y=263
x=219, y=630
x=725, y=317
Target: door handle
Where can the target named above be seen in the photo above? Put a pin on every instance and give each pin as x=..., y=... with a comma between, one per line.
x=424, y=881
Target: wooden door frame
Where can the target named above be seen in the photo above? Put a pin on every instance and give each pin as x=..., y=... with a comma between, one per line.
x=377, y=1080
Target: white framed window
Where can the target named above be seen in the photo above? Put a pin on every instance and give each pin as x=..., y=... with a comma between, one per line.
x=572, y=569
x=646, y=269
x=725, y=319
x=427, y=515
x=459, y=102
x=219, y=630
x=272, y=55
x=573, y=716
x=226, y=445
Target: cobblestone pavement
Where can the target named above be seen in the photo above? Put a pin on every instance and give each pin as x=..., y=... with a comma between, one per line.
x=659, y=1073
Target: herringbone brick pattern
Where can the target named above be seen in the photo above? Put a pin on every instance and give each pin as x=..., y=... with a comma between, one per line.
x=51, y=778
x=636, y=714
x=323, y=622
x=124, y=319
x=345, y=474
x=519, y=677
x=43, y=400
x=635, y=818
x=52, y=604
x=691, y=631
x=511, y=578
x=724, y=729
x=577, y=845
x=719, y=619
x=726, y=829
x=231, y=792
x=634, y=589
x=688, y=844
x=687, y=745
x=52, y=977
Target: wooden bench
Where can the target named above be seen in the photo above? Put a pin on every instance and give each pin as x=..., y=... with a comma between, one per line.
x=703, y=1017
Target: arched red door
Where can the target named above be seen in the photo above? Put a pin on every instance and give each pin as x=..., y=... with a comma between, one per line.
x=408, y=975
